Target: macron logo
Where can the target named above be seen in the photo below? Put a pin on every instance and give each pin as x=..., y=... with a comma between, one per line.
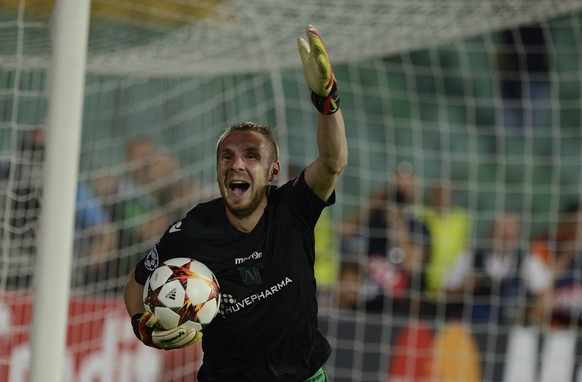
x=176, y=227
x=253, y=256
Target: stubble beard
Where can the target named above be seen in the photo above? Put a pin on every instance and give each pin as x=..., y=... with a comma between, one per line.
x=243, y=211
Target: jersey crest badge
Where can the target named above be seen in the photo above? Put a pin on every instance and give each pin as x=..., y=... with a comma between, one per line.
x=250, y=276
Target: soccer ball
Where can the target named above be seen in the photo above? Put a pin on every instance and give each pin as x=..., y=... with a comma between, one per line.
x=182, y=291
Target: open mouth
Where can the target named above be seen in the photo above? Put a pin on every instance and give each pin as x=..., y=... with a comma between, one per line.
x=238, y=187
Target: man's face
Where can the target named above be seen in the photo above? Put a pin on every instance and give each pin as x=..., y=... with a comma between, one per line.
x=245, y=166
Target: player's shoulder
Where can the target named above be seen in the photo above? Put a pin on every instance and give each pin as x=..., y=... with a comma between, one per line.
x=293, y=185
x=297, y=192
x=208, y=207
x=202, y=215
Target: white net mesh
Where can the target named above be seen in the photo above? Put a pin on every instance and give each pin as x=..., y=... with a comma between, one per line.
x=212, y=37
x=428, y=83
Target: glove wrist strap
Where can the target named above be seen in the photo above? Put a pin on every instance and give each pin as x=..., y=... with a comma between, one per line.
x=326, y=104
x=135, y=324
x=141, y=331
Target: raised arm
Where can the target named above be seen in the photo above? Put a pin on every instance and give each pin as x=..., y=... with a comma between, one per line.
x=323, y=173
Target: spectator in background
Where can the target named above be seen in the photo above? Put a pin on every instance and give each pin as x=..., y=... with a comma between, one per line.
x=139, y=151
x=450, y=227
x=162, y=179
x=96, y=244
x=494, y=282
x=145, y=198
x=347, y=290
x=23, y=182
x=95, y=237
x=326, y=266
x=20, y=204
x=561, y=302
x=122, y=190
x=396, y=244
x=404, y=185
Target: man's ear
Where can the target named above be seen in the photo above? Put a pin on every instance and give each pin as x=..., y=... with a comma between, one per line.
x=275, y=171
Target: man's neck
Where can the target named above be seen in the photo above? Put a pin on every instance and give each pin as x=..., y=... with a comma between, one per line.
x=247, y=223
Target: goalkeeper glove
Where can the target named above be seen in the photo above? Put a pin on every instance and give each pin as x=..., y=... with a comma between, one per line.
x=318, y=72
x=147, y=330
x=176, y=338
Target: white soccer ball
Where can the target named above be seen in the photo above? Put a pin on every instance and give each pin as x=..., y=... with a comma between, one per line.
x=182, y=291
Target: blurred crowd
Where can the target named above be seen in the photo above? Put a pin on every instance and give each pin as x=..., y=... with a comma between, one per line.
x=404, y=252
x=119, y=213
x=418, y=257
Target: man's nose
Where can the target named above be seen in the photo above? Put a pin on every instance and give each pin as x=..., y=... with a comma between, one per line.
x=238, y=163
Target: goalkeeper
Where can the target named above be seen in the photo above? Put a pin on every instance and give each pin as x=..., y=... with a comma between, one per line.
x=258, y=239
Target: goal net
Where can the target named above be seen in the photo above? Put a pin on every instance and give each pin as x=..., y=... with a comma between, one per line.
x=452, y=251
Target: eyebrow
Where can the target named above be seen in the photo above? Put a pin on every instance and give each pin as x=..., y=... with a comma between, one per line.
x=253, y=150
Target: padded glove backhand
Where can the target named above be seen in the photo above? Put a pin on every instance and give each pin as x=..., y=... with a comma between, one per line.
x=176, y=338
x=147, y=330
x=318, y=71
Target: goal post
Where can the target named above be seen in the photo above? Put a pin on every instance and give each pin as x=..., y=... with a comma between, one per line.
x=425, y=86
x=56, y=227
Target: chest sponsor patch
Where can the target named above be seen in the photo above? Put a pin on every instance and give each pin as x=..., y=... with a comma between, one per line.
x=229, y=304
x=250, y=276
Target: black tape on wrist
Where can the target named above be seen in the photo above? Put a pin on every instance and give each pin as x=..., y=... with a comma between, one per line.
x=329, y=104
